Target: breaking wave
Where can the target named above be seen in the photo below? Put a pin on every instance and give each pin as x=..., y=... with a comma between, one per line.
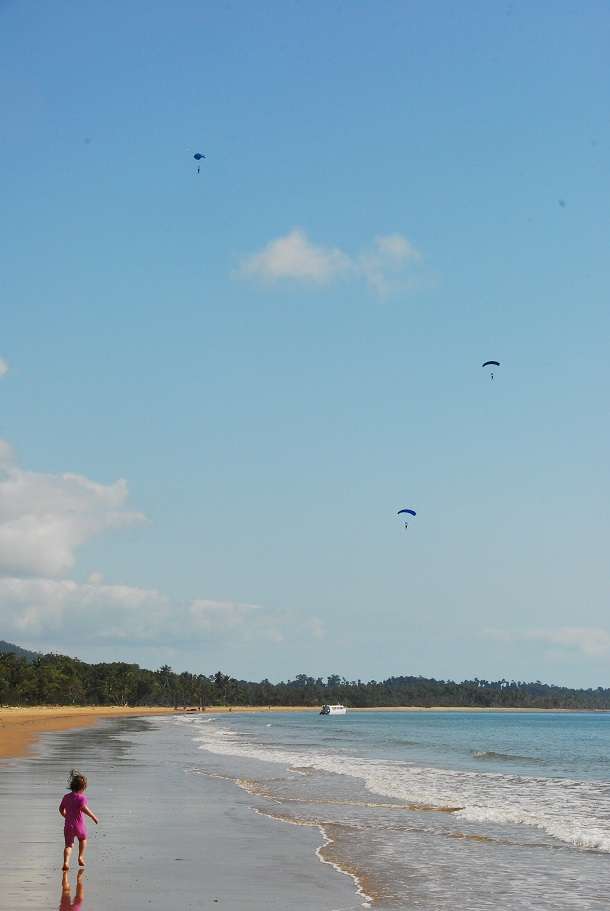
x=576, y=813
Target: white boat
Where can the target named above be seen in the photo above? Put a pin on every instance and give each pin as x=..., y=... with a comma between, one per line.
x=333, y=710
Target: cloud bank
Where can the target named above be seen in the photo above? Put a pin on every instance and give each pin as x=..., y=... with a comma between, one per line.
x=590, y=641
x=294, y=257
x=45, y=518
x=4, y=368
x=39, y=609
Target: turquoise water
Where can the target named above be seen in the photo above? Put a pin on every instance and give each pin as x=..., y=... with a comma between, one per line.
x=422, y=806
x=566, y=745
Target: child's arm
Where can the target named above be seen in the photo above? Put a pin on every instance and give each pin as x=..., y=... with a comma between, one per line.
x=62, y=809
x=90, y=814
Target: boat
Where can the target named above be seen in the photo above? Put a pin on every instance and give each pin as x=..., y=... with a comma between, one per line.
x=333, y=710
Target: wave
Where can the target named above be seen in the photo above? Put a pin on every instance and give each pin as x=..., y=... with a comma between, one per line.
x=504, y=757
x=576, y=813
x=400, y=741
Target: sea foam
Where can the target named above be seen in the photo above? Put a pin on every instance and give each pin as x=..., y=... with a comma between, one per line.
x=574, y=812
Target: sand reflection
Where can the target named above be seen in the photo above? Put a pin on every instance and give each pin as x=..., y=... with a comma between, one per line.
x=66, y=903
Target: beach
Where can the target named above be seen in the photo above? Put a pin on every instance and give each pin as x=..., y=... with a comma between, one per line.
x=21, y=727
x=426, y=811
x=166, y=838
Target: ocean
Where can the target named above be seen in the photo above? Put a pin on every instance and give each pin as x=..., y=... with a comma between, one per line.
x=430, y=810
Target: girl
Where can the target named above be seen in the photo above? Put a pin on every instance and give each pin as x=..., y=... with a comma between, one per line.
x=72, y=807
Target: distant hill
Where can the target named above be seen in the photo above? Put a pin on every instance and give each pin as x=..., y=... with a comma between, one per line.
x=8, y=647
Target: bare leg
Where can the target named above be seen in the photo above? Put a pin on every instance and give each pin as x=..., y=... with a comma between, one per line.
x=82, y=845
x=67, y=852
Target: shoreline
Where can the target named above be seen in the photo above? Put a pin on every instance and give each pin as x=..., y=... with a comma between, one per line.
x=20, y=726
x=165, y=834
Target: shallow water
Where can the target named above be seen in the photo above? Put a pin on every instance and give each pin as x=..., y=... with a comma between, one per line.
x=433, y=811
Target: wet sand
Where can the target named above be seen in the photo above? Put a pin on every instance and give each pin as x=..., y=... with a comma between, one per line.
x=167, y=837
x=19, y=727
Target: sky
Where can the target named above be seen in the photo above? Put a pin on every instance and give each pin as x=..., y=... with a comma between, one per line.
x=217, y=389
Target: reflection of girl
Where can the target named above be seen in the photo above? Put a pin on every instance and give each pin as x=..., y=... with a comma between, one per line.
x=66, y=903
x=72, y=808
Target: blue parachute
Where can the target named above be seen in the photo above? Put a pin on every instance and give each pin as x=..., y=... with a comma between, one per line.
x=198, y=156
x=406, y=512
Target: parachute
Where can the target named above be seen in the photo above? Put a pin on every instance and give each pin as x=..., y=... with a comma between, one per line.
x=198, y=156
x=409, y=512
x=491, y=364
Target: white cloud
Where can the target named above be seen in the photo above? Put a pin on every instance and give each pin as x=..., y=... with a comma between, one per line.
x=44, y=518
x=382, y=264
x=588, y=640
x=295, y=257
x=4, y=368
x=591, y=641
x=39, y=609
x=386, y=260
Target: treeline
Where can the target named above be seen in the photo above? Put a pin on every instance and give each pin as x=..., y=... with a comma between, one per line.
x=59, y=680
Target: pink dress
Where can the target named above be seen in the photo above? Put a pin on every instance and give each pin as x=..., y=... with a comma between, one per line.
x=74, y=826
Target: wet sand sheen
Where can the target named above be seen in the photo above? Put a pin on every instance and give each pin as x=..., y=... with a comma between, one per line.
x=20, y=727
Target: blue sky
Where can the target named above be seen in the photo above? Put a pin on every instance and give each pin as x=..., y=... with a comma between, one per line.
x=278, y=353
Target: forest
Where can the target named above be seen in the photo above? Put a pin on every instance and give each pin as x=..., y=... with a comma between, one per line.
x=28, y=678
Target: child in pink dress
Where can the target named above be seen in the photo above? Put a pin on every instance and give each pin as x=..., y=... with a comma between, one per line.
x=72, y=808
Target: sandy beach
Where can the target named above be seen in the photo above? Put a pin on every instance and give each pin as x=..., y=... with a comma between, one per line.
x=168, y=837
x=20, y=727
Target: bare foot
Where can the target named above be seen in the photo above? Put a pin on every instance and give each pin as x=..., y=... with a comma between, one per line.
x=65, y=867
x=81, y=862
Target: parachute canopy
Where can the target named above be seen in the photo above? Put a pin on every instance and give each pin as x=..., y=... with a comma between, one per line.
x=491, y=363
x=411, y=512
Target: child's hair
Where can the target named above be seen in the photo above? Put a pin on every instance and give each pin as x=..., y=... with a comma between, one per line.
x=77, y=781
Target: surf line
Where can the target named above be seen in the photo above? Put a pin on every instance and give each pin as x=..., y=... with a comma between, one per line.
x=367, y=900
